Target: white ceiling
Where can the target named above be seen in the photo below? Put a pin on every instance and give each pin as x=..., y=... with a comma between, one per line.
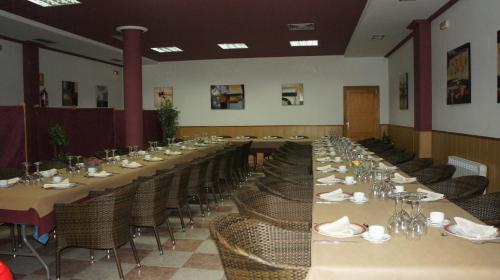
x=24, y=29
x=389, y=18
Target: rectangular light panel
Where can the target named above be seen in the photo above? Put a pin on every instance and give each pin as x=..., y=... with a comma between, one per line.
x=52, y=3
x=232, y=46
x=167, y=49
x=304, y=43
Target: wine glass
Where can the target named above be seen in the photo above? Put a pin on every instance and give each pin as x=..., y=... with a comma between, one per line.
x=106, y=151
x=113, y=157
x=418, y=225
x=37, y=175
x=78, y=165
x=27, y=178
x=399, y=221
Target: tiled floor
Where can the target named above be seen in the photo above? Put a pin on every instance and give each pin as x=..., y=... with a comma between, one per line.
x=194, y=256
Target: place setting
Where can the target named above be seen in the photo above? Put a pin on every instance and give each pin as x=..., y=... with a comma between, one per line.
x=332, y=179
x=341, y=228
x=477, y=233
x=152, y=158
x=130, y=164
x=335, y=196
x=58, y=183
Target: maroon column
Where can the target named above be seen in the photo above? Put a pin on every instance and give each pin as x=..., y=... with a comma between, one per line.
x=423, y=74
x=132, y=83
x=31, y=82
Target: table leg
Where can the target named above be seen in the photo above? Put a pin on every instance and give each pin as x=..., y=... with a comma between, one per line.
x=33, y=251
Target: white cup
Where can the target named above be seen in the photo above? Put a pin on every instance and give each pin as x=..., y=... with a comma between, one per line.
x=342, y=168
x=376, y=232
x=437, y=217
x=338, y=159
x=358, y=196
x=399, y=188
x=91, y=169
x=349, y=179
x=125, y=161
x=57, y=179
x=3, y=183
x=147, y=157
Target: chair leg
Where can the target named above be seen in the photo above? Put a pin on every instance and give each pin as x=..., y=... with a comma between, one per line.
x=189, y=214
x=13, y=238
x=201, y=206
x=58, y=264
x=158, y=242
x=118, y=263
x=92, y=258
x=170, y=232
x=134, y=251
x=181, y=217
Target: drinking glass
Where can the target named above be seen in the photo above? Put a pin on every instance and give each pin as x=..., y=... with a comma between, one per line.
x=71, y=167
x=37, y=175
x=113, y=159
x=106, y=151
x=400, y=219
x=78, y=165
x=27, y=178
x=418, y=224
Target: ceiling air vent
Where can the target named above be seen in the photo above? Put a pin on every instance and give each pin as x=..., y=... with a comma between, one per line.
x=43, y=41
x=307, y=26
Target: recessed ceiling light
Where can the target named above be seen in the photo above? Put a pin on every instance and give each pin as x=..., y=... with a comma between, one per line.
x=232, y=46
x=167, y=49
x=52, y=3
x=301, y=26
x=304, y=43
x=378, y=37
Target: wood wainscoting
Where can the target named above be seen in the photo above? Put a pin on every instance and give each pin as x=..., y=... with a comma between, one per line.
x=311, y=131
x=405, y=137
x=481, y=149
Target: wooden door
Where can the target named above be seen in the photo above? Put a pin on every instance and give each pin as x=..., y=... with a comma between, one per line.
x=361, y=112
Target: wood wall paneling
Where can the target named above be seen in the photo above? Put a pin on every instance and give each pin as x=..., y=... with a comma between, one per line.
x=405, y=137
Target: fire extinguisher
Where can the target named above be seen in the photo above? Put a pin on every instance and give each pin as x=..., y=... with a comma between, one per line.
x=44, y=98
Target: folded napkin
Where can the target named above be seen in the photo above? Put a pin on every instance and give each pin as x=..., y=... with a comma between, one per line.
x=386, y=167
x=333, y=195
x=132, y=164
x=270, y=137
x=100, y=174
x=49, y=173
x=117, y=157
x=141, y=152
x=329, y=180
x=13, y=181
x=474, y=230
x=323, y=168
x=62, y=185
x=403, y=179
x=339, y=228
x=324, y=159
x=431, y=196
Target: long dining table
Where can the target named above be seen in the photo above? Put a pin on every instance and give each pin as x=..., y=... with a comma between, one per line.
x=434, y=256
x=31, y=204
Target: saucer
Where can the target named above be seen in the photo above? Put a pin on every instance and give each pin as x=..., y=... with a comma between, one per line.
x=366, y=236
x=358, y=202
x=349, y=184
x=343, y=171
x=435, y=225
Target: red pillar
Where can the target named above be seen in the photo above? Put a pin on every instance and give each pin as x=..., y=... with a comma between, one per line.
x=132, y=83
x=31, y=96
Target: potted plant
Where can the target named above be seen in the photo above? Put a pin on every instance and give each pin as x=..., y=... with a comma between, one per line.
x=57, y=135
x=168, y=116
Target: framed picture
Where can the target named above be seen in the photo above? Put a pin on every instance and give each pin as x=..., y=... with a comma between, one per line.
x=227, y=97
x=403, y=91
x=69, y=93
x=498, y=67
x=292, y=94
x=459, y=78
x=162, y=95
x=101, y=93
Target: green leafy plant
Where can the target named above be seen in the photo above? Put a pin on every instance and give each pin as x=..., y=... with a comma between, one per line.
x=168, y=116
x=57, y=135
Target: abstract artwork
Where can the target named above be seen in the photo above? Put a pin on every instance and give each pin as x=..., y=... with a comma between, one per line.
x=227, y=96
x=292, y=94
x=162, y=95
x=459, y=79
x=403, y=91
x=101, y=96
x=69, y=93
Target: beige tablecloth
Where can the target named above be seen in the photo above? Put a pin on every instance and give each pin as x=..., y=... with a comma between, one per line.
x=432, y=257
x=23, y=197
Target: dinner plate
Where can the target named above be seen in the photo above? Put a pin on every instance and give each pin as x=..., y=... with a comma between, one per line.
x=7, y=186
x=356, y=228
x=397, y=181
x=69, y=186
x=455, y=231
x=330, y=182
x=99, y=175
x=153, y=159
x=345, y=196
x=131, y=167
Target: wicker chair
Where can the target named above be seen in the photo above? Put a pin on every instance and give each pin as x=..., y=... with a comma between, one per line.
x=415, y=165
x=148, y=209
x=286, y=190
x=484, y=207
x=273, y=209
x=98, y=223
x=399, y=158
x=379, y=148
x=461, y=187
x=434, y=174
x=196, y=183
x=178, y=196
x=252, y=249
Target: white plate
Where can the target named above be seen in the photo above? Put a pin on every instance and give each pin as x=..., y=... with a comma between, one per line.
x=7, y=186
x=455, y=231
x=69, y=186
x=356, y=228
x=366, y=236
x=344, y=197
x=444, y=223
x=394, y=180
x=153, y=159
x=99, y=175
x=358, y=202
x=131, y=167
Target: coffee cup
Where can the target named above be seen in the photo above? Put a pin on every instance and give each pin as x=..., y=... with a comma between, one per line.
x=337, y=159
x=358, y=196
x=342, y=168
x=147, y=157
x=399, y=188
x=437, y=217
x=91, y=169
x=376, y=232
x=3, y=183
x=125, y=161
x=57, y=179
x=349, y=180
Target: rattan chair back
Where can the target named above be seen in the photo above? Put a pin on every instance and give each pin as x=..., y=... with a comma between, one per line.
x=434, y=174
x=415, y=165
x=484, y=207
x=461, y=187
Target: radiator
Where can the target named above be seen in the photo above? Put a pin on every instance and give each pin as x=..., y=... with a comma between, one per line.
x=466, y=167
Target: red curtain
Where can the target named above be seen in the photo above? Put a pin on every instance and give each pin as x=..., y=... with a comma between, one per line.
x=12, y=138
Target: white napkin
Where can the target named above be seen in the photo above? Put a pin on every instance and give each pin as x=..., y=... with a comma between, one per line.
x=132, y=164
x=63, y=184
x=117, y=158
x=431, y=196
x=141, y=152
x=386, y=167
x=329, y=180
x=13, y=181
x=333, y=195
x=49, y=173
x=323, y=168
x=403, y=179
x=172, y=153
x=270, y=137
x=100, y=174
x=323, y=159
x=474, y=230
x=340, y=228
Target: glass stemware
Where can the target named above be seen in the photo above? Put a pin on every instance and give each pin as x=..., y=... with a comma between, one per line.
x=78, y=165
x=37, y=175
x=418, y=223
x=71, y=167
x=106, y=151
x=27, y=178
x=400, y=219
x=113, y=157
